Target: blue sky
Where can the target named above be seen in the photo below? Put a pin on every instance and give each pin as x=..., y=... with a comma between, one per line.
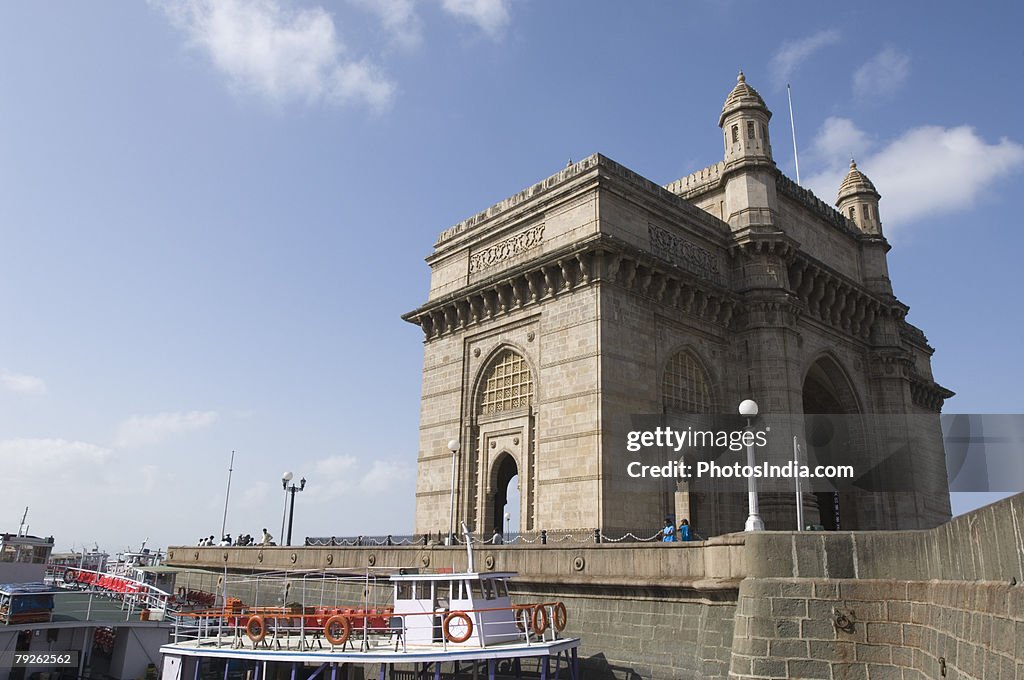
x=213, y=215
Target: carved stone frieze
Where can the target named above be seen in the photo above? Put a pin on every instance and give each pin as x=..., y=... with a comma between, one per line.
x=687, y=255
x=508, y=248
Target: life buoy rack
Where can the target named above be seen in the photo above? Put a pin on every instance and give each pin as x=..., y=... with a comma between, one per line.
x=539, y=620
x=559, y=617
x=466, y=621
x=346, y=629
x=256, y=628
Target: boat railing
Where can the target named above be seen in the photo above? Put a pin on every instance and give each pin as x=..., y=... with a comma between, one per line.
x=346, y=629
x=136, y=598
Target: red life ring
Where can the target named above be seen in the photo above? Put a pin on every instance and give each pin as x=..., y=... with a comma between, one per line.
x=541, y=625
x=256, y=632
x=466, y=622
x=346, y=629
x=559, y=617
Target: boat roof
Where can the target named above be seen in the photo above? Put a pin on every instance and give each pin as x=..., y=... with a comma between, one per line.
x=453, y=576
x=28, y=589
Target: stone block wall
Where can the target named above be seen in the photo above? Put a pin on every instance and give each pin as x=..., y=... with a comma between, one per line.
x=878, y=630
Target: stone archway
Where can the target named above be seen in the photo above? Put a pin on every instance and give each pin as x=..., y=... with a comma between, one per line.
x=832, y=437
x=504, y=471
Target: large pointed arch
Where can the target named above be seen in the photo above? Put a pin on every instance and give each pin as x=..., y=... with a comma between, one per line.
x=502, y=423
x=833, y=433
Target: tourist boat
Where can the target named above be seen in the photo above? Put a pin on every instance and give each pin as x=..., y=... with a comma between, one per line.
x=102, y=628
x=465, y=619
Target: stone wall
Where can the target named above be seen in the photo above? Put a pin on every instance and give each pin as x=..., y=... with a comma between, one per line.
x=941, y=603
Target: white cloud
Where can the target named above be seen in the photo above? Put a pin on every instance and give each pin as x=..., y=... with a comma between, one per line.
x=927, y=171
x=23, y=384
x=882, y=75
x=839, y=138
x=399, y=19
x=280, y=54
x=794, y=52
x=47, y=456
x=140, y=431
x=491, y=16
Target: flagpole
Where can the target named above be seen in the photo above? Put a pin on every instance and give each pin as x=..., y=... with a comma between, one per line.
x=792, y=126
x=227, y=494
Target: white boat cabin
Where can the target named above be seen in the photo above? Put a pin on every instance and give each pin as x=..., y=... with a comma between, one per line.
x=424, y=601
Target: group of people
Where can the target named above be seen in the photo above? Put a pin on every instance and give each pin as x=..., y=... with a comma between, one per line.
x=670, y=532
x=243, y=540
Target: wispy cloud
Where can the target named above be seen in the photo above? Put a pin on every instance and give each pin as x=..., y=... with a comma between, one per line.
x=139, y=431
x=280, y=54
x=882, y=75
x=49, y=455
x=926, y=171
x=398, y=17
x=23, y=384
x=839, y=138
x=793, y=52
x=491, y=16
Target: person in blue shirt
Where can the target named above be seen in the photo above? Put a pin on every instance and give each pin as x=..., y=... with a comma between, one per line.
x=684, y=530
x=668, y=534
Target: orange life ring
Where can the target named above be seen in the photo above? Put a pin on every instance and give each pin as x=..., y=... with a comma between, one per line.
x=542, y=625
x=466, y=634
x=258, y=631
x=559, y=617
x=70, y=576
x=346, y=629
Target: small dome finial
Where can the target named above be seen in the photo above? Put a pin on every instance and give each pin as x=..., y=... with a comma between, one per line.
x=741, y=78
x=853, y=164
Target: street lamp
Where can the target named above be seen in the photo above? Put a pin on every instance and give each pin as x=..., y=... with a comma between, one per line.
x=508, y=520
x=453, y=446
x=748, y=409
x=285, y=478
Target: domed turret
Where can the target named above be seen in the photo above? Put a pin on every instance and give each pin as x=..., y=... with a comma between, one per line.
x=744, y=123
x=858, y=200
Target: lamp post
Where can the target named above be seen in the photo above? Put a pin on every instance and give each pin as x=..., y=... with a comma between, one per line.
x=508, y=520
x=285, y=478
x=748, y=409
x=453, y=446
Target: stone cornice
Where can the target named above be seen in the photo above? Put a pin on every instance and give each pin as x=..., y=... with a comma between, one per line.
x=599, y=259
x=928, y=393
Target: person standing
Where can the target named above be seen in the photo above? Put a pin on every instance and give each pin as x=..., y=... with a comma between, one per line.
x=684, y=530
x=668, y=534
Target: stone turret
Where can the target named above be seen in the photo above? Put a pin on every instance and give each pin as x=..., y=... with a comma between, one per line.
x=744, y=123
x=858, y=201
x=750, y=172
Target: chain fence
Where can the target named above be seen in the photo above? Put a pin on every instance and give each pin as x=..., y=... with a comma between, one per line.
x=542, y=537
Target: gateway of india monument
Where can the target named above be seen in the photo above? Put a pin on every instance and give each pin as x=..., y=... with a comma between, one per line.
x=595, y=295
x=597, y=302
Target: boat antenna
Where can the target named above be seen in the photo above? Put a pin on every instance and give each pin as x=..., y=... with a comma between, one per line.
x=469, y=549
x=23, y=528
x=224, y=523
x=792, y=126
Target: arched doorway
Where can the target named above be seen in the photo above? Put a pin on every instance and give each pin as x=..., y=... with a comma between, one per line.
x=503, y=456
x=832, y=437
x=506, y=473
